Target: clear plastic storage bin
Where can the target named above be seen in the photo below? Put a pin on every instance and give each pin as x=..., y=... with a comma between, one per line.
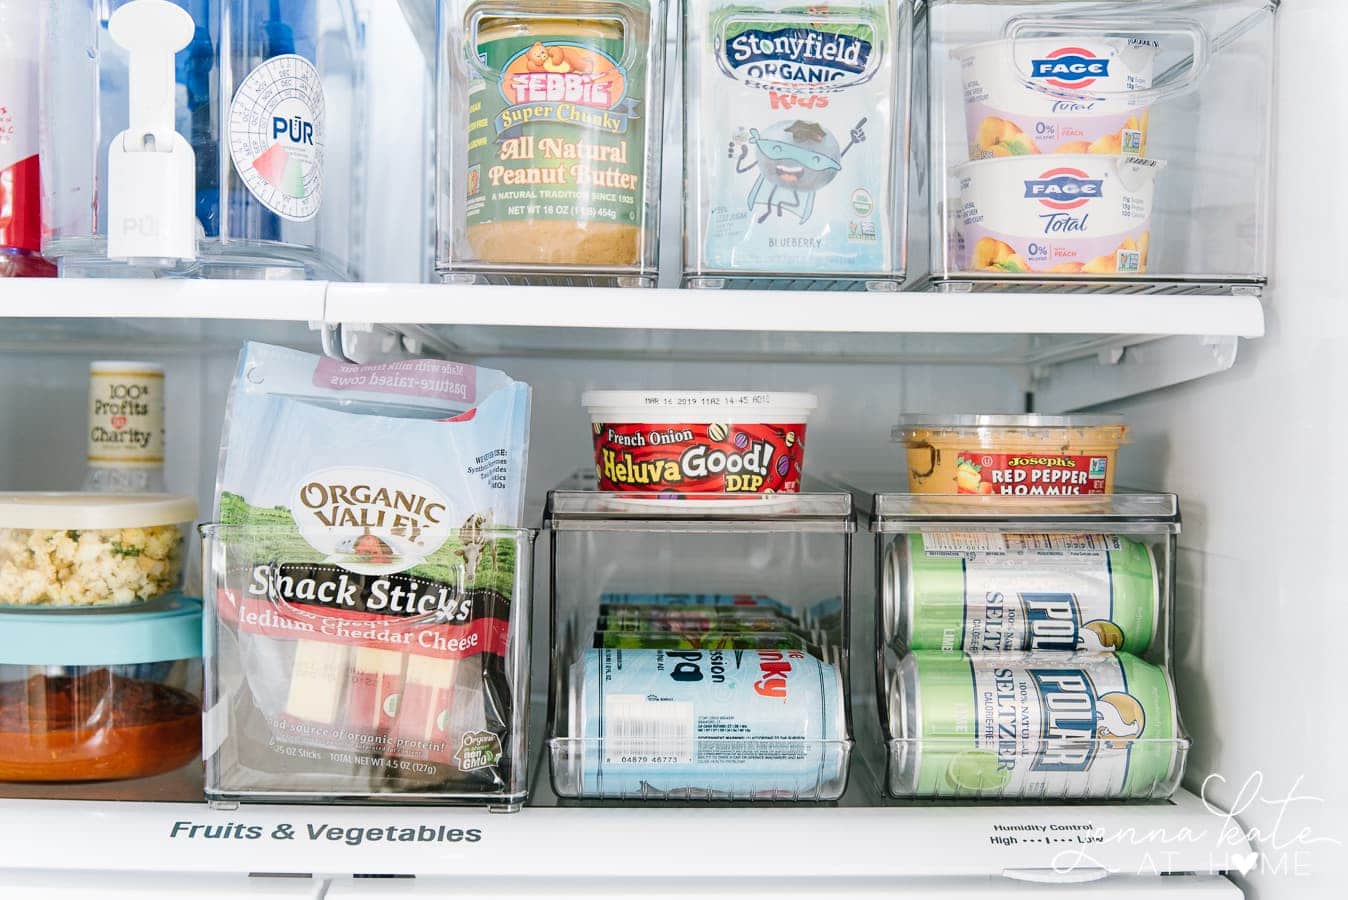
x=548, y=135
x=332, y=680
x=1078, y=145
x=699, y=647
x=245, y=149
x=1058, y=614
x=796, y=136
x=102, y=695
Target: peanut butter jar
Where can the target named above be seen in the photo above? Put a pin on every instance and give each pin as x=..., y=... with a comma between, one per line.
x=550, y=141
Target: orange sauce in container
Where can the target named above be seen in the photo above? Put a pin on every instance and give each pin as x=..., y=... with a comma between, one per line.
x=1011, y=456
x=95, y=726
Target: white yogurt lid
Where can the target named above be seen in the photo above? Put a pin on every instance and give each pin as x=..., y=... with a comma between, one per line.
x=699, y=406
x=54, y=511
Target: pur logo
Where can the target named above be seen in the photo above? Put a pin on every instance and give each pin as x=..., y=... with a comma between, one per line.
x=1064, y=189
x=1073, y=68
x=294, y=128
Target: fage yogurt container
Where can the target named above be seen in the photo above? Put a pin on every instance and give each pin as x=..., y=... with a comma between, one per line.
x=677, y=443
x=1080, y=214
x=1054, y=95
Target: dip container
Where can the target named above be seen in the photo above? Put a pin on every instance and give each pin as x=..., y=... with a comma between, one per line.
x=1069, y=215
x=100, y=695
x=87, y=550
x=677, y=443
x=1064, y=94
x=1020, y=456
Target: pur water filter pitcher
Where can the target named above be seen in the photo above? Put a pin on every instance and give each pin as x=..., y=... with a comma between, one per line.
x=260, y=93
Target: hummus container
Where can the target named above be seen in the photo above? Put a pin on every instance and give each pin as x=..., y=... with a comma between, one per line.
x=101, y=695
x=1013, y=456
x=1069, y=215
x=1066, y=94
x=88, y=550
x=677, y=443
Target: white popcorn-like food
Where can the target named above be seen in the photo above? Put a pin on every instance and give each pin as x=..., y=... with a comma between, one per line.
x=100, y=567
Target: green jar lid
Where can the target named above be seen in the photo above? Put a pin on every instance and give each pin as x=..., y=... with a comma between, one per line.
x=165, y=629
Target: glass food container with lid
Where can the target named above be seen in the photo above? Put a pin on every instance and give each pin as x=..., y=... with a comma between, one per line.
x=201, y=138
x=102, y=695
x=90, y=550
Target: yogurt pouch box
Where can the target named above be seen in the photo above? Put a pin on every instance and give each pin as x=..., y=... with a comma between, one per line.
x=366, y=607
x=795, y=113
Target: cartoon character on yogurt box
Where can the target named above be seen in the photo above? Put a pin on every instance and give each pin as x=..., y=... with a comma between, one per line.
x=796, y=157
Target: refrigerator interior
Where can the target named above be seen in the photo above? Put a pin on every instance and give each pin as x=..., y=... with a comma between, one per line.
x=1251, y=452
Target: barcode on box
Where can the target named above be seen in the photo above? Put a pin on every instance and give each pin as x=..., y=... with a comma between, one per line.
x=963, y=543
x=955, y=543
x=640, y=730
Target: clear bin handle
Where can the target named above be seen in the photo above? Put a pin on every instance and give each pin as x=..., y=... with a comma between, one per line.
x=631, y=52
x=1176, y=84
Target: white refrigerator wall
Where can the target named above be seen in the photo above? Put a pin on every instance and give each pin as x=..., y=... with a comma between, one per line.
x=1255, y=455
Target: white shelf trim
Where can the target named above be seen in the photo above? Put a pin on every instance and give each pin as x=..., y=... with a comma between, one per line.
x=672, y=310
x=797, y=311
x=924, y=840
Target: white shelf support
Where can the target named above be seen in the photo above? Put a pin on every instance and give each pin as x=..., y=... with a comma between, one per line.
x=1142, y=367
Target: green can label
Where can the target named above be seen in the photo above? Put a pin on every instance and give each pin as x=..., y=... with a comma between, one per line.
x=1081, y=725
x=559, y=136
x=1031, y=592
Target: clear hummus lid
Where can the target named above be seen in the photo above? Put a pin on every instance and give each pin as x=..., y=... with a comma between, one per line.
x=88, y=511
x=923, y=425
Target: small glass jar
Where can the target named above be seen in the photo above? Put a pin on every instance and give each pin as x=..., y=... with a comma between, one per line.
x=548, y=137
x=265, y=96
x=100, y=696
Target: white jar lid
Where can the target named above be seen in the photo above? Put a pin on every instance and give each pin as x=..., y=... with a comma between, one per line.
x=54, y=511
x=699, y=406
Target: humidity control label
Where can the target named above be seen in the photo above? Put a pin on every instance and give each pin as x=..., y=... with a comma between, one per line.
x=276, y=136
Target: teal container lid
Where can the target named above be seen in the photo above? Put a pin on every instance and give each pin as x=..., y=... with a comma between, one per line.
x=165, y=629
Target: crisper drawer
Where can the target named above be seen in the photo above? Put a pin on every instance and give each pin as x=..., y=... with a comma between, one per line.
x=70, y=886
x=1181, y=887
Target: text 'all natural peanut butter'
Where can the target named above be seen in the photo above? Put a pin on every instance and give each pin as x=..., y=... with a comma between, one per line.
x=556, y=140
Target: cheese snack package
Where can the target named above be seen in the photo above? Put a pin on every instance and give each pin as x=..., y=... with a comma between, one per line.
x=366, y=576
